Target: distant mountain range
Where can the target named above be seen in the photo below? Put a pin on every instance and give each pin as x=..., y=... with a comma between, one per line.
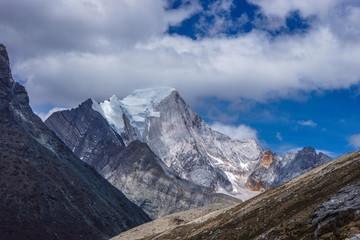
x=182, y=147
x=46, y=192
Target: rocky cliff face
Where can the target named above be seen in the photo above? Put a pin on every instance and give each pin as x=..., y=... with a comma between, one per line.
x=134, y=169
x=186, y=144
x=162, y=119
x=46, y=192
x=274, y=170
x=262, y=176
x=341, y=209
x=87, y=134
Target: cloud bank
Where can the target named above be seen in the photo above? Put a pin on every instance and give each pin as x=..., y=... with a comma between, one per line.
x=67, y=51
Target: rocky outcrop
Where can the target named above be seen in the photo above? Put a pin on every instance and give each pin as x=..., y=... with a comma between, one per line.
x=134, y=169
x=267, y=159
x=274, y=170
x=258, y=180
x=46, y=192
x=339, y=210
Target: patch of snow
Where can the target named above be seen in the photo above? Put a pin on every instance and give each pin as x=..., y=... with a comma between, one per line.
x=218, y=160
x=137, y=107
x=241, y=193
x=111, y=110
x=244, y=165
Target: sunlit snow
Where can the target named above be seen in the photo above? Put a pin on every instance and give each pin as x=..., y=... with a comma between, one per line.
x=137, y=107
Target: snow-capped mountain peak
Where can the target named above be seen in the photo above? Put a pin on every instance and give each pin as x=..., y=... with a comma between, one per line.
x=178, y=135
x=185, y=143
x=137, y=107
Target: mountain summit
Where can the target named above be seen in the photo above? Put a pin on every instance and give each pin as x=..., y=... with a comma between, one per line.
x=134, y=169
x=136, y=108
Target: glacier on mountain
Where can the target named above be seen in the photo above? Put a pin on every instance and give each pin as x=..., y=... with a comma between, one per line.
x=137, y=107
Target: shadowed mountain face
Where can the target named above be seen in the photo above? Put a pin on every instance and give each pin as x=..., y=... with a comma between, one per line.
x=134, y=169
x=88, y=134
x=46, y=192
x=323, y=203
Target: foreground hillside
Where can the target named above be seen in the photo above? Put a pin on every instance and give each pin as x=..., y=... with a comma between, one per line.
x=46, y=192
x=323, y=203
x=170, y=221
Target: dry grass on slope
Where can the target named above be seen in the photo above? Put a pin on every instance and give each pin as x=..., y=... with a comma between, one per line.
x=283, y=212
x=171, y=221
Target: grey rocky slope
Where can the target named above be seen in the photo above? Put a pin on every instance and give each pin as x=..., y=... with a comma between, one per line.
x=134, y=169
x=46, y=192
x=155, y=187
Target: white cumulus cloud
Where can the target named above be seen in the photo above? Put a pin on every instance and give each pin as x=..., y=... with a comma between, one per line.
x=309, y=123
x=99, y=48
x=44, y=116
x=354, y=140
x=235, y=132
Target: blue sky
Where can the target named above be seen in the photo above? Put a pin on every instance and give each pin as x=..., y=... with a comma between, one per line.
x=285, y=72
x=322, y=120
